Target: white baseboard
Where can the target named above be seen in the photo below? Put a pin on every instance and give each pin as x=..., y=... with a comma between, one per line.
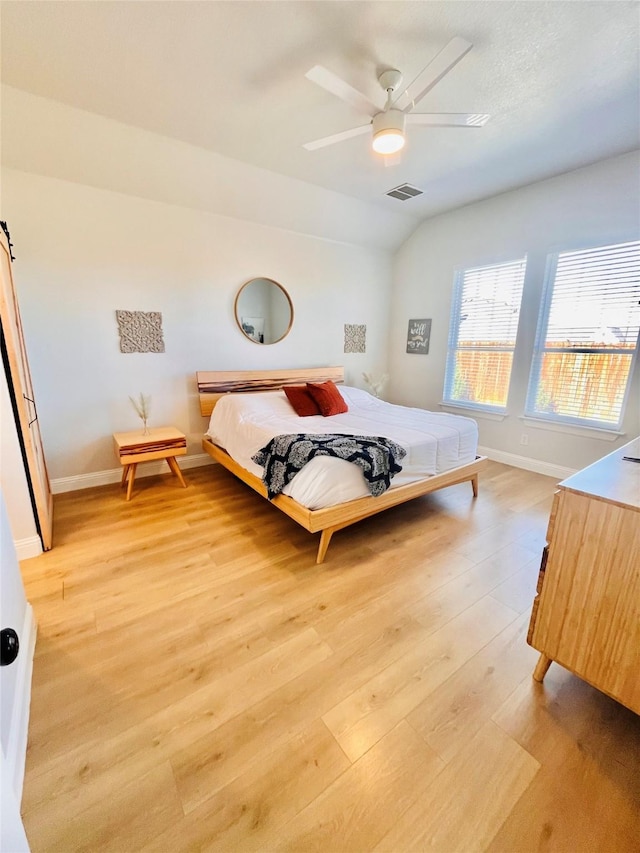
x=536, y=465
x=197, y=460
x=27, y=548
x=114, y=475
x=19, y=724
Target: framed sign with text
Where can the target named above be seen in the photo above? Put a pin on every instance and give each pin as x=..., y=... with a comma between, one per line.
x=418, y=335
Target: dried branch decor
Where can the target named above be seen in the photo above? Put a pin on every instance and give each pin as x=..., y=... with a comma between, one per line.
x=376, y=384
x=142, y=406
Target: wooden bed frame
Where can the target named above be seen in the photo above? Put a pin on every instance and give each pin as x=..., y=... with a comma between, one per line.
x=214, y=384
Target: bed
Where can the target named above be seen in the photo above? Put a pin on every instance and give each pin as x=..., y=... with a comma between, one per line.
x=248, y=408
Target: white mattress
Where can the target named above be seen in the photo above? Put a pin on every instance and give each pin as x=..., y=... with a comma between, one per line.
x=435, y=441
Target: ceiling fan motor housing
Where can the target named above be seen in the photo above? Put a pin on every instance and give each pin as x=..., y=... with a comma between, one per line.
x=386, y=125
x=390, y=120
x=390, y=79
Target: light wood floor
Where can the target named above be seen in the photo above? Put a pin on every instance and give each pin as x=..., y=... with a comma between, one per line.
x=201, y=684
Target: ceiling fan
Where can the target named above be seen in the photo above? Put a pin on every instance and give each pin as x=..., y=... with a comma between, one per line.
x=392, y=111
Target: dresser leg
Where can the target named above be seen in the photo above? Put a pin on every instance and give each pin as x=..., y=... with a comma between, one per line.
x=541, y=667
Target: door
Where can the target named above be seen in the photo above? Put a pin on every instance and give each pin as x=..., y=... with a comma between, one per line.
x=16, y=366
x=12, y=834
x=15, y=688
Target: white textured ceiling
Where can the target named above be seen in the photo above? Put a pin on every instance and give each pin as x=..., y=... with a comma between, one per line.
x=559, y=79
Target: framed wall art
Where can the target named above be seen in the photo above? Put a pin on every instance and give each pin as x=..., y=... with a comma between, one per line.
x=418, y=335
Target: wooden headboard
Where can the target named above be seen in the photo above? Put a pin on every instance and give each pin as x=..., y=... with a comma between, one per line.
x=213, y=384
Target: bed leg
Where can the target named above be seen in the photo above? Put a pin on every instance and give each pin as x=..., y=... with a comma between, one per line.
x=474, y=485
x=325, y=538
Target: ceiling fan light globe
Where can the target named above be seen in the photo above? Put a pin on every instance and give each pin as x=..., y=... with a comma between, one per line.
x=388, y=141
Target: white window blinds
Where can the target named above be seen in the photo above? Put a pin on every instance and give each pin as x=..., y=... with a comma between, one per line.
x=482, y=335
x=587, y=336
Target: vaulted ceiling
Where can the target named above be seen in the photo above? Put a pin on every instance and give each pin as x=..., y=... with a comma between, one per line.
x=560, y=81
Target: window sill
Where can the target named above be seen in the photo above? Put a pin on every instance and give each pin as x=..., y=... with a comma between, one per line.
x=570, y=429
x=474, y=413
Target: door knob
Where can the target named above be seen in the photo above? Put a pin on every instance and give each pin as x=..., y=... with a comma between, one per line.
x=9, y=646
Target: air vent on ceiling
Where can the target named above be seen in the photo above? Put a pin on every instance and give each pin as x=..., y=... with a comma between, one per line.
x=404, y=191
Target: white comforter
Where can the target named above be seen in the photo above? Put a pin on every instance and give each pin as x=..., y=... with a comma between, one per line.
x=434, y=441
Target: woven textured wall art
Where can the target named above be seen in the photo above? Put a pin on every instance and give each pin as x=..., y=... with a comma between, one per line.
x=355, y=338
x=140, y=331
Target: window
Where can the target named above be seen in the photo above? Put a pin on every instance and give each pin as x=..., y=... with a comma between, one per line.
x=482, y=335
x=587, y=336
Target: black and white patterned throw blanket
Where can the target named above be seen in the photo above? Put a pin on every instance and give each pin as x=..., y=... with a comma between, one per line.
x=285, y=455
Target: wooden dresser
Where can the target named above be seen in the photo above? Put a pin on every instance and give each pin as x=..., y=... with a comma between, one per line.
x=586, y=614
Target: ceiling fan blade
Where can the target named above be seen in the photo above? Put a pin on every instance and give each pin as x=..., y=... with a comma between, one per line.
x=449, y=119
x=337, y=86
x=449, y=56
x=337, y=137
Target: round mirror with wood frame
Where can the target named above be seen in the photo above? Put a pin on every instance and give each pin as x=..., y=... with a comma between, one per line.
x=263, y=311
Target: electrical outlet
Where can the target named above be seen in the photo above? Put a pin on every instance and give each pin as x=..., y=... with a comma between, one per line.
x=524, y=438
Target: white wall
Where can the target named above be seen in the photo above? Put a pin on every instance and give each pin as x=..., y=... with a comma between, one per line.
x=81, y=253
x=594, y=205
x=84, y=251
x=44, y=137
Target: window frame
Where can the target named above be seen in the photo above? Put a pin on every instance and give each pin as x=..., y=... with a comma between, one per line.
x=454, y=333
x=539, y=350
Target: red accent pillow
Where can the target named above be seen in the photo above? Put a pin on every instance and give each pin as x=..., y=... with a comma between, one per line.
x=330, y=401
x=301, y=400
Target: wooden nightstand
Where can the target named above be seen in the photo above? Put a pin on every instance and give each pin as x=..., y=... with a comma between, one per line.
x=161, y=443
